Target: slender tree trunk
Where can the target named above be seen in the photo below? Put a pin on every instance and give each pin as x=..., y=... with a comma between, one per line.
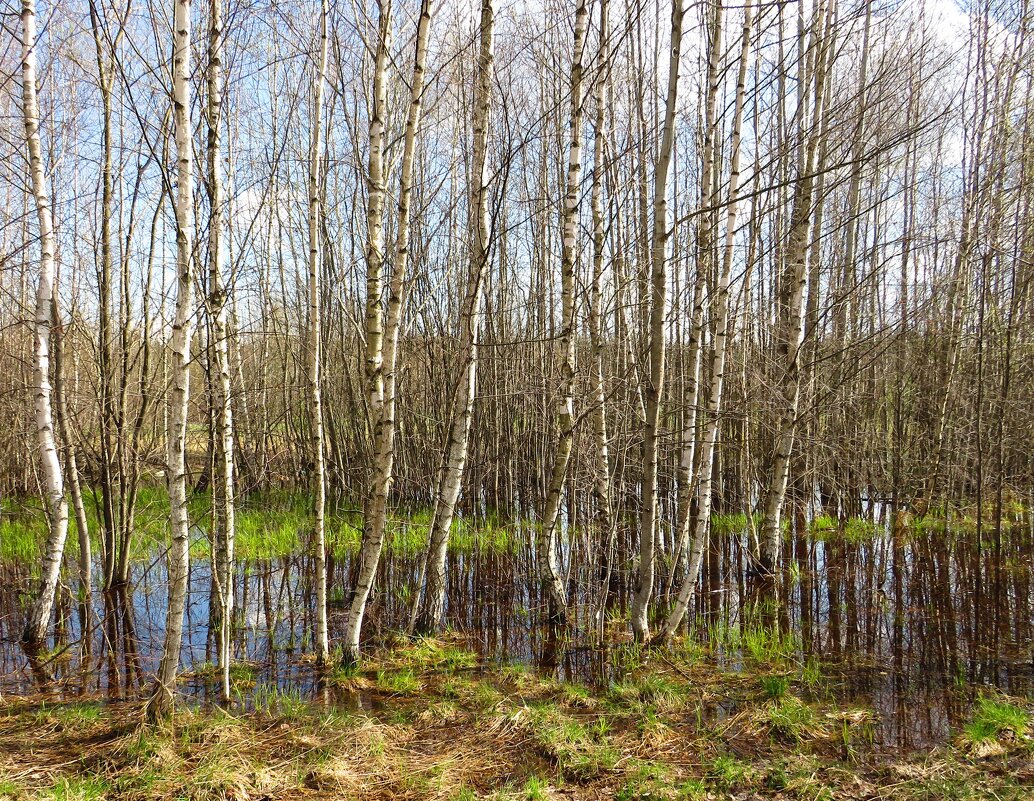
x=319, y=536
x=74, y=488
x=658, y=299
x=377, y=494
x=455, y=456
x=721, y=339
x=705, y=259
x=384, y=422
x=552, y=578
x=790, y=334
x=160, y=703
x=601, y=463
x=57, y=508
x=222, y=387
x=109, y=493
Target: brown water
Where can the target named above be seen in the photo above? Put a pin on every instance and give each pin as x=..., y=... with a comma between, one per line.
x=913, y=625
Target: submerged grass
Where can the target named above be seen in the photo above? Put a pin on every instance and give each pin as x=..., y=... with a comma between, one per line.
x=269, y=525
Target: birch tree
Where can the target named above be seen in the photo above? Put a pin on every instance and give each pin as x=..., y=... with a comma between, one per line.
x=704, y=261
x=722, y=332
x=601, y=462
x=318, y=445
x=160, y=702
x=377, y=497
x=654, y=388
x=222, y=387
x=552, y=577
x=789, y=335
x=38, y=619
x=384, y=421
x=455, y=454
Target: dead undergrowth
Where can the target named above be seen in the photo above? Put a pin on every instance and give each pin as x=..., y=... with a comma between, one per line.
x=426, y=721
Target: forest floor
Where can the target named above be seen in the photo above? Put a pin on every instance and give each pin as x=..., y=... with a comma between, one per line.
x=428, y=722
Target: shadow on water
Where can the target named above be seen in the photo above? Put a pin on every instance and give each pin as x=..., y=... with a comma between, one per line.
x=897, y=620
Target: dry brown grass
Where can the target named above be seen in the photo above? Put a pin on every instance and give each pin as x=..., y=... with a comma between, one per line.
x=449, y=731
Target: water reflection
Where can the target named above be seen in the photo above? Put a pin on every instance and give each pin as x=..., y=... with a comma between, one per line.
x=916, y=621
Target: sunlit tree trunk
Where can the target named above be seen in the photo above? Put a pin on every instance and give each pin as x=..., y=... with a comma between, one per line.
x=319, y=536
x=601, y=462
x=377, y=496
x=108, y=481
x=160, y=702
x=658, y=315
x=222, y=387
x=552, y=577
x=790, y=328
x=54, y=490
x=384, y=422
x=82, y=522
x=704, y=260
x=721, y=339
x=455, y=456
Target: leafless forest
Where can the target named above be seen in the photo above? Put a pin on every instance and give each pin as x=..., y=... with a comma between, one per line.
x=603, y=318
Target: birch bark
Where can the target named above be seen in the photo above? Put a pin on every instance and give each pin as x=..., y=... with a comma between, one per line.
x=658, y=303
x=384, y=423
x=790, y=336
x=222, y=387
x=552, y=578
x=319, y=535
x=455, y=457
x=38, y=619
x=721, y=338
x=160, y=703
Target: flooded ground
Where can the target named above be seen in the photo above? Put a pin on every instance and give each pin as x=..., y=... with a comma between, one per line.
x=913, y=624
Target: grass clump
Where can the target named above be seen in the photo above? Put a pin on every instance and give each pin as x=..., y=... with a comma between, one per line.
x=535, y=789
x=823, y=526
x=398, y=682
x=858, y=530
x=650, y=691
x=579, y=750
x=649, y=781
x=75, y=717
x=270, y=700
x=21, y=540
x=78, y=788
x=775, y=686
x=996, y=727
x=10, y=790
x=791, y=720
x=727, y=773
x=432, y=654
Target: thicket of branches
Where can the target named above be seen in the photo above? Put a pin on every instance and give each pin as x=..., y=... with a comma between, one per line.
x=510, y=258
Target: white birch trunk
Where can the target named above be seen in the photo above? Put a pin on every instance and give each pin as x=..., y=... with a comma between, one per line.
x=455, y=457
x=791, y=336
x=375, y=218
x=601, y=465
x=658, y=299
x=74, y=488
x=38, y=619
x=319, y=535
x=384, y=423
x=376, y=506
x=222, y=396
x=552, y=578
x=721, y=338
x=160, y=702
x=705, y=255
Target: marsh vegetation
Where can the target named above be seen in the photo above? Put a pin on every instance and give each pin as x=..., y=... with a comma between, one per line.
x=610, y=398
